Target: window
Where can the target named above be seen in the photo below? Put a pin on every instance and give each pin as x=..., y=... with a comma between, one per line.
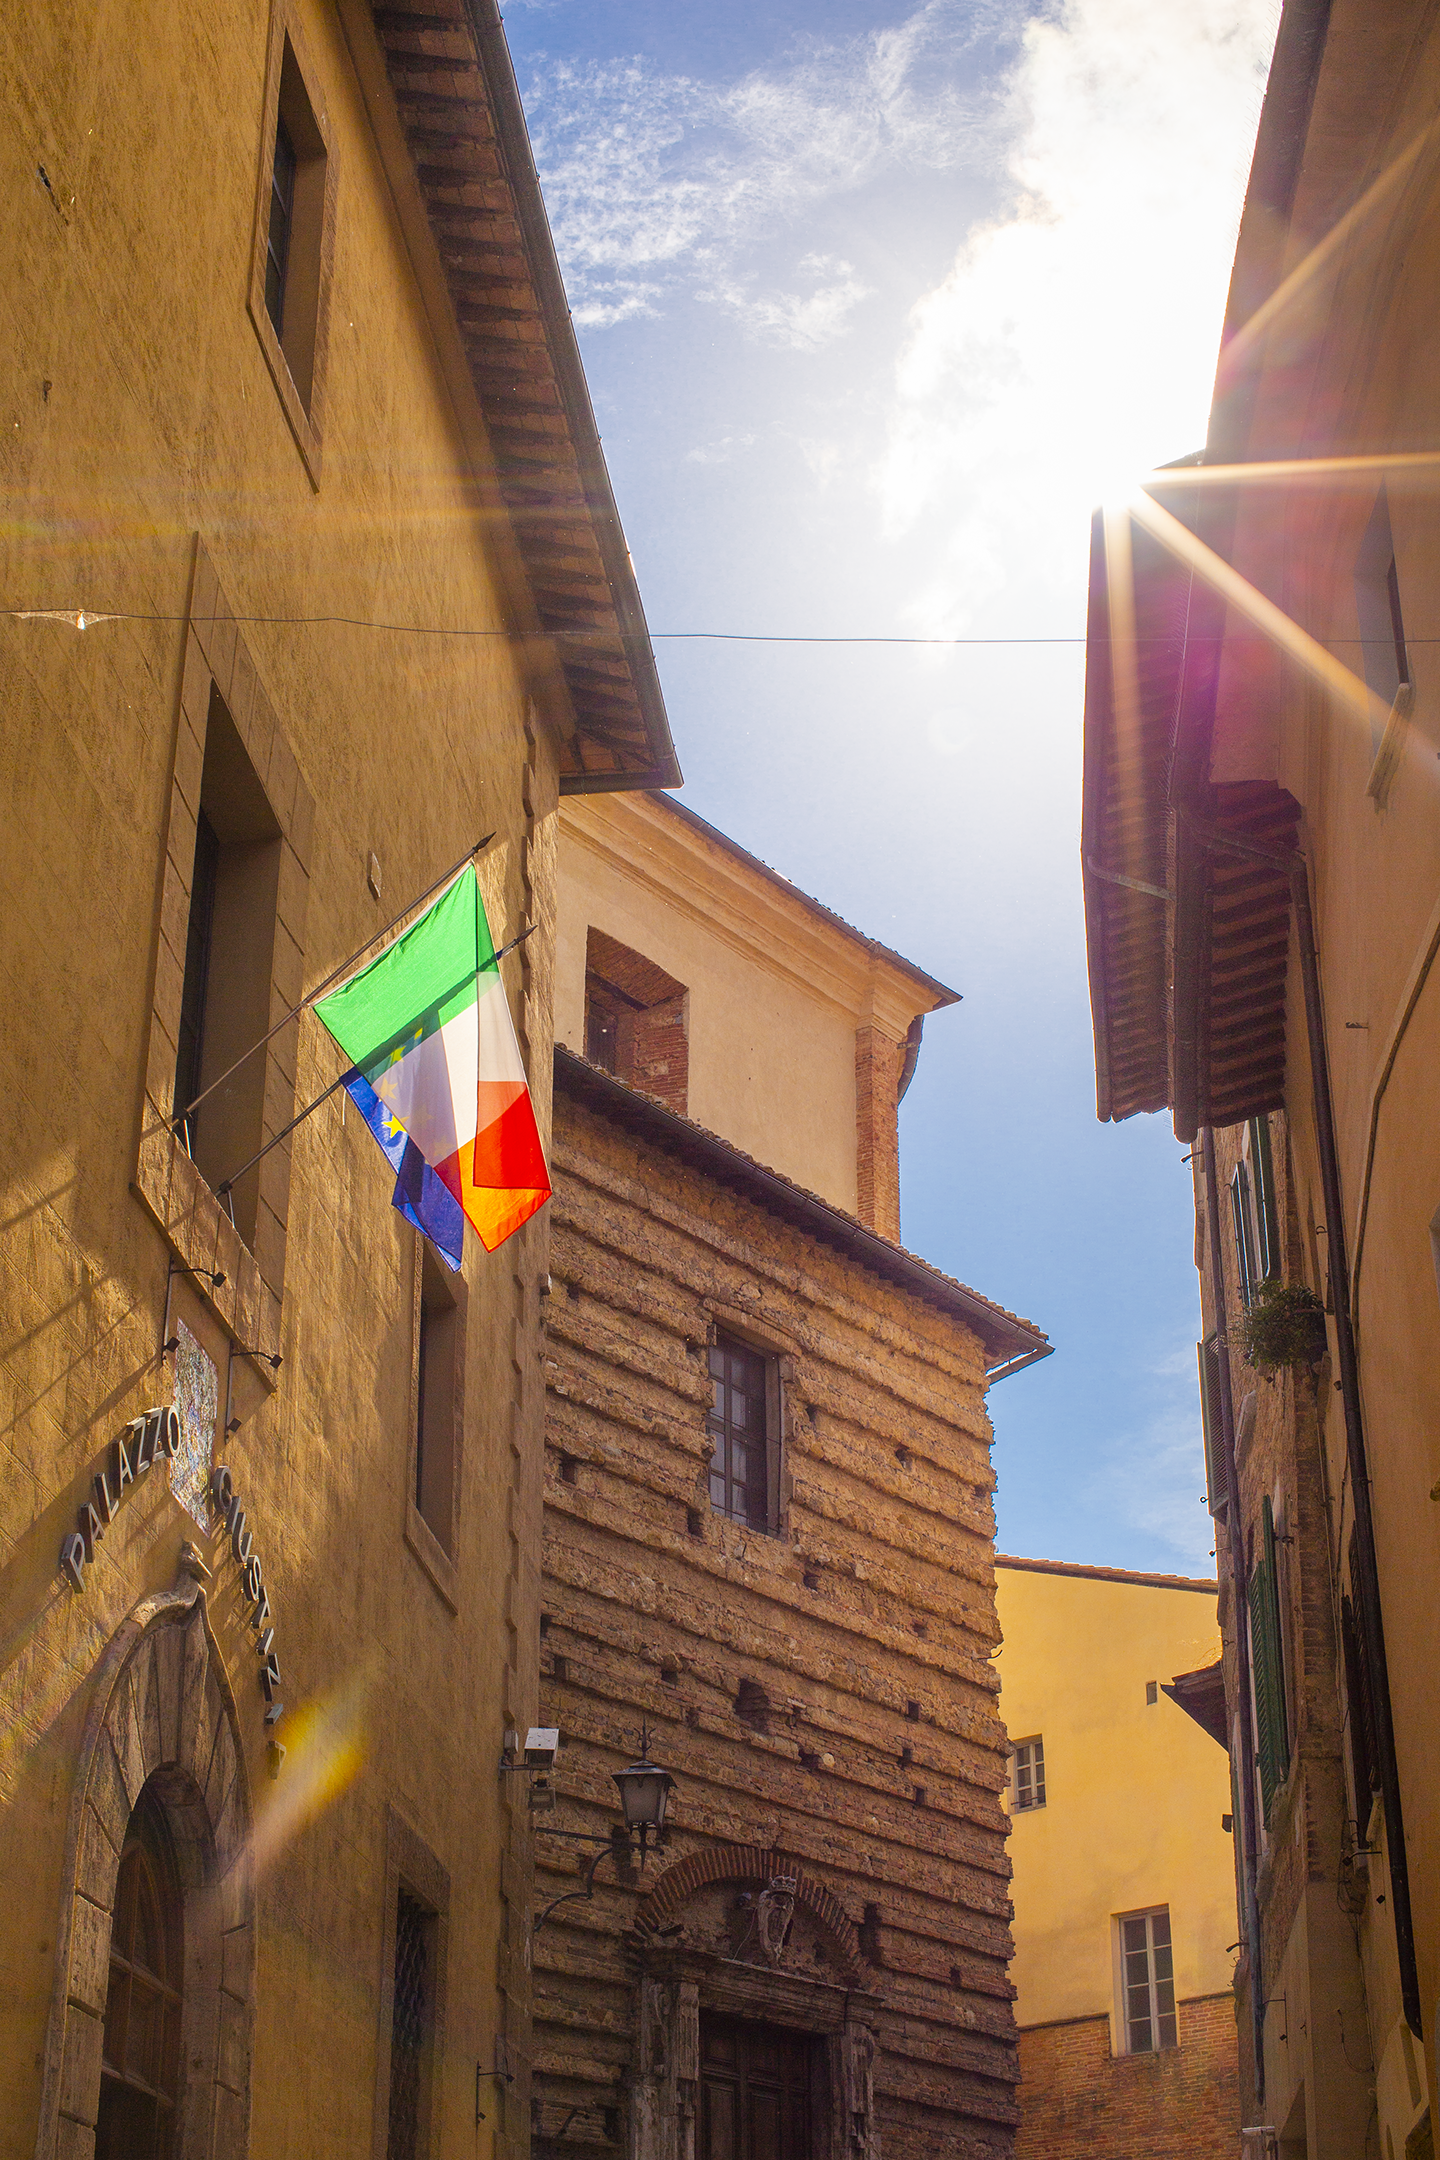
x=1252, y=1207
x=411, y=2017
x=437, y=1368
x=1267, y=1657
x=294, y=235
x=1217, y=1495
x=437, y=1404
x=636, y=1021
x=1385, y=655
x=1359, y=1701
x=1027, y=1775
x=140, y=2070
x=229, y=956
x=742, y=1418
x=282, y=217
x=1147, y=1982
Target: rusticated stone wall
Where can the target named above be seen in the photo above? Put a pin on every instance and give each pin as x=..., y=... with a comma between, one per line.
x=822, y=1695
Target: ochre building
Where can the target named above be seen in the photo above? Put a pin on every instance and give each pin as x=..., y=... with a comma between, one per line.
x=1262, y=867
x=1123, y=1857
x=769, y=1542
x=287, y=356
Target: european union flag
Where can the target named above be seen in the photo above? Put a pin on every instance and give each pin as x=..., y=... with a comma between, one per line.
x=421, y=1197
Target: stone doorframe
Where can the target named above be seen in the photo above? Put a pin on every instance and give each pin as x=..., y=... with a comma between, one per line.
x=674, y=1984
x=161, y=1713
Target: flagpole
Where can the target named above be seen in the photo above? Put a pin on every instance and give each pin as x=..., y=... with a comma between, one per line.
x=176, y=1116
x=350, y=1073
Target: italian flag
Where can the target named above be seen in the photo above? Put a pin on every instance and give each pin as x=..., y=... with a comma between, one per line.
x=437, y=1075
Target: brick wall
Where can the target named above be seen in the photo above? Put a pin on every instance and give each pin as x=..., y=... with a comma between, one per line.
x=1080, y=2102
x=877, y=1143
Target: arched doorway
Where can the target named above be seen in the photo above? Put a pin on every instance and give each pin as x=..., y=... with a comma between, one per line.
x=148, y=2046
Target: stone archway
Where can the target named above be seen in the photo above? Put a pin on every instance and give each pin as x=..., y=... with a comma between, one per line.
x=686, y=1969
x=753, y=1867
x=161, y=1717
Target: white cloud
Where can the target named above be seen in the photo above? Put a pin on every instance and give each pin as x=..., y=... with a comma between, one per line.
x=650, y=174
x=803, y=321
x=1155, y=1482
x=1073, y=343
x=718, y=453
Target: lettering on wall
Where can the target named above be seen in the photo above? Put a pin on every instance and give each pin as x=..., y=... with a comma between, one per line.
x=152, y=1437
x=225, y=1502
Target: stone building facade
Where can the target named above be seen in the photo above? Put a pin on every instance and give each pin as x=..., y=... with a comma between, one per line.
x=289, y=359
x=1262, y=729
x=815, y=1961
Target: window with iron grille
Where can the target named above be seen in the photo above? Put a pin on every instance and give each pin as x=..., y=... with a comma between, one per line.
x=1027, y=1774
x=409, y=2026
x=1147, y=1982
x=740, y=1428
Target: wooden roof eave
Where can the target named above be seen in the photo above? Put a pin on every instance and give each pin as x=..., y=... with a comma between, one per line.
x=451, y=78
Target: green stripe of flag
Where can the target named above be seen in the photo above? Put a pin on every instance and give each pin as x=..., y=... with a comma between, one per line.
x=424, y=979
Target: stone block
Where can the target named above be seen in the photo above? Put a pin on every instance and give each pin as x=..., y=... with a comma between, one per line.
x=237, y=1962
x=233, y=2064
x=80, y=2066
x=169, y=1660
x=74, y=2140
x=89, y=1955
x=292, y=903
x=280, y=777
x=107, y=1794
x=195, y=698
x=258, y=738
x=240, y=692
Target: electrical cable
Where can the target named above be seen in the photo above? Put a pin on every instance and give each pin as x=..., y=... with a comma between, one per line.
x=87, y=618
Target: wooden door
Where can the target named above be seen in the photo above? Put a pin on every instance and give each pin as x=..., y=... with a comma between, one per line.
x=754, y=2092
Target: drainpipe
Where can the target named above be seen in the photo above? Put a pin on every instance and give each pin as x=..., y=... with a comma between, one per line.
x=1245, y=1776
x=1368, y=1583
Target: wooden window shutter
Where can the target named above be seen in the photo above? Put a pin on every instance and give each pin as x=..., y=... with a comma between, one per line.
x=1364, y=1755
x=1217, y=1495
x=1268, y=1666
x=1262, y=1172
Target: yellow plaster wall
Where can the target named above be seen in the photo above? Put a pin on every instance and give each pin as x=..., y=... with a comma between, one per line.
x=776, y=991
x=141, y=411
x=1134, y=1792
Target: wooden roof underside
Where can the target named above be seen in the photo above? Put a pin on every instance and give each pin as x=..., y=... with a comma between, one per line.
x=1188, y=942
x=459, y=107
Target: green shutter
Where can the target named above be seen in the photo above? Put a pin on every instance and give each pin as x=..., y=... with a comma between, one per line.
x=1267, y=1666
x=1263, y=1174
x=1217, y=1492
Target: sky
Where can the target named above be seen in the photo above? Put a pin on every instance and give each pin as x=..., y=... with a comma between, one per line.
x=876, y=302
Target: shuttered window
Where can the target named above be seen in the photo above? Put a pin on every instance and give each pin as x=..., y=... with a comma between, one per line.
x=1253, y=1210
x=1217, y=1495
x=1268, y=1665
x=1262, y=1185
x=1360, y=1704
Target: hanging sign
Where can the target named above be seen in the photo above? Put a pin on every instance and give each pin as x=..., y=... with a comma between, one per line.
x=152, y=1437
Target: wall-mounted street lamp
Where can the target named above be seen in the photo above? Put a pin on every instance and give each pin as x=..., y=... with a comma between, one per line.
x=644, y=1797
